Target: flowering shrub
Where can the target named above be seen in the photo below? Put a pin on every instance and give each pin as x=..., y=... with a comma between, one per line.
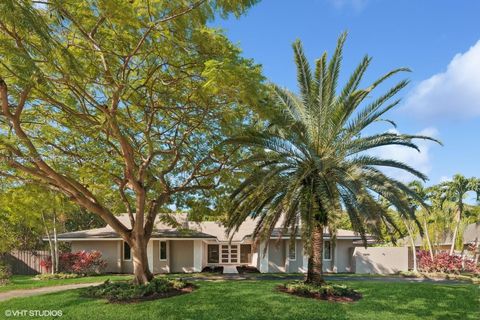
x=443, y=262
x=80, y=262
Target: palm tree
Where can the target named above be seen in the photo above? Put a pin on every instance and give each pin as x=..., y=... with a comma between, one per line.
x=455, y=191
x=424, y=211
x=311, y=159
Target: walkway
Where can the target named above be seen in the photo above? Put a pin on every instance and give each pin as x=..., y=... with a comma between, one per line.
x=258, y=276
x=33, y=292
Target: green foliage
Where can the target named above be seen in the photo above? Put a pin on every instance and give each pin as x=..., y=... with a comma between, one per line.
x=330, y=289
x=54, y=276
x=126, y=291
x=125, y=102
x=5, y=273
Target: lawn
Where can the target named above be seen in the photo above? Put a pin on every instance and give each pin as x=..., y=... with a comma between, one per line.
x=259, y=300
x=28, y=282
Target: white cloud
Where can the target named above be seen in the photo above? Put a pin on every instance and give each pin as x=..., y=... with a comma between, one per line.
x=453, y=93
x=420, y=161
x=357, y=5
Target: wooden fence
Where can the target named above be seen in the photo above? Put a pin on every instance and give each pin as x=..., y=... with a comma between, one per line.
x=25, y=262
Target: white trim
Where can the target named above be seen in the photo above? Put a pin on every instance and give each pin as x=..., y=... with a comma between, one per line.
x=197, y=255
x=150, y=255
x=263, y=257
x=116, y=239
x=295, y=251
x=160, y=250
x=123, y=252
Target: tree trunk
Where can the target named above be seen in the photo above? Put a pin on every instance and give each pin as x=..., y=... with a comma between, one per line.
x=50, y=244
x=141, y=272
x=455, y=232
x=427, y=236
x=55, y=240
x=315, y=262
x=412, y=244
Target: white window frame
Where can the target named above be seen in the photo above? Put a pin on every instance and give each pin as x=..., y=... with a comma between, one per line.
x=160, y=250
x=123, y=251
x=329, y=241
x=294, y=251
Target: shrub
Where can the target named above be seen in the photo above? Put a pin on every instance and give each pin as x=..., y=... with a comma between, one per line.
x=443, y=262
x=49, y=276
x=5, y=273
x=127, y=291
x=80, y=262
x=330, y=289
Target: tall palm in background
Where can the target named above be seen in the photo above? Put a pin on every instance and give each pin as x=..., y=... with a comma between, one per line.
x=423, y=213
x=456, y=191
x=312, y=160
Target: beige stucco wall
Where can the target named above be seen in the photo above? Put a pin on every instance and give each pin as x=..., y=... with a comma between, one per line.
x=109, y=249
x=160, y=266
x=276, y=256
x=343, y=256
x=380, y=260
x=181, y=256
x=297, y=264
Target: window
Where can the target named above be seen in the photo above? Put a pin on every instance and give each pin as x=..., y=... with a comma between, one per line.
x=163, y=250
x=213, y=253
x=327, y=250
x=292, y=251
x=245, y=253
x=127, y=254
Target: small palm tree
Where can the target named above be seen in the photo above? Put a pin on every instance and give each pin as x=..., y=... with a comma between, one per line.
x=312, y=162
x=455, y=191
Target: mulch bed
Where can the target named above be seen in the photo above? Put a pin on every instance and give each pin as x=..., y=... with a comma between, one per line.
x=175, y=292
x=332, y=298
x=247, y=269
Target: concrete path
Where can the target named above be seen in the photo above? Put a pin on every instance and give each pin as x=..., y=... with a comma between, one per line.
x=37, y=291
x=256, y=276
x=230, y=270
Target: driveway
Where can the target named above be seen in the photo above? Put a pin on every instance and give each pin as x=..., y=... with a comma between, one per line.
x=33, y=292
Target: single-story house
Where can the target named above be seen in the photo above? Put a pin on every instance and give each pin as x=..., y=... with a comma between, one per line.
x=196, y=245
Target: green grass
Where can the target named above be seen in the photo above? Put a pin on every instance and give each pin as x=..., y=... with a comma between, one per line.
x=259, y=300
x=28, y=282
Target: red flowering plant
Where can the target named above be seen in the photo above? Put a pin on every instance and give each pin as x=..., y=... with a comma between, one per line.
x=443, y=262
x=80, y=262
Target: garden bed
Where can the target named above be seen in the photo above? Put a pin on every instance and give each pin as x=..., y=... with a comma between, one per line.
x=247, y=269
x=127, y=292
x=328, y=292
x=213, y=269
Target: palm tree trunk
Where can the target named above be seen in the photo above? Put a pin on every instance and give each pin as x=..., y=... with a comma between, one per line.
x=427, y=236
x=412, y=244
x=315, y=262
x=455, y=232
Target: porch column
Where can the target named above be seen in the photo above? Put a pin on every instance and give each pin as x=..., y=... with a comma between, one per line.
x=150, y=255
x=119, y=256
x=263, y=257
x=197, y=255
x=305, y=262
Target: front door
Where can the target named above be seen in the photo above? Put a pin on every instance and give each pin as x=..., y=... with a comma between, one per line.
x=229, y=253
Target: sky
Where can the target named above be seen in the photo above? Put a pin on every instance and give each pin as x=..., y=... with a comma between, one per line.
x=438, y=40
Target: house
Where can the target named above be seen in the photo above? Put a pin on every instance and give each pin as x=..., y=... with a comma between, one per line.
x=471, y=236
x=196, y=245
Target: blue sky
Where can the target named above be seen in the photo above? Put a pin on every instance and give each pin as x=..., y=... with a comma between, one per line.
x=436, y=39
